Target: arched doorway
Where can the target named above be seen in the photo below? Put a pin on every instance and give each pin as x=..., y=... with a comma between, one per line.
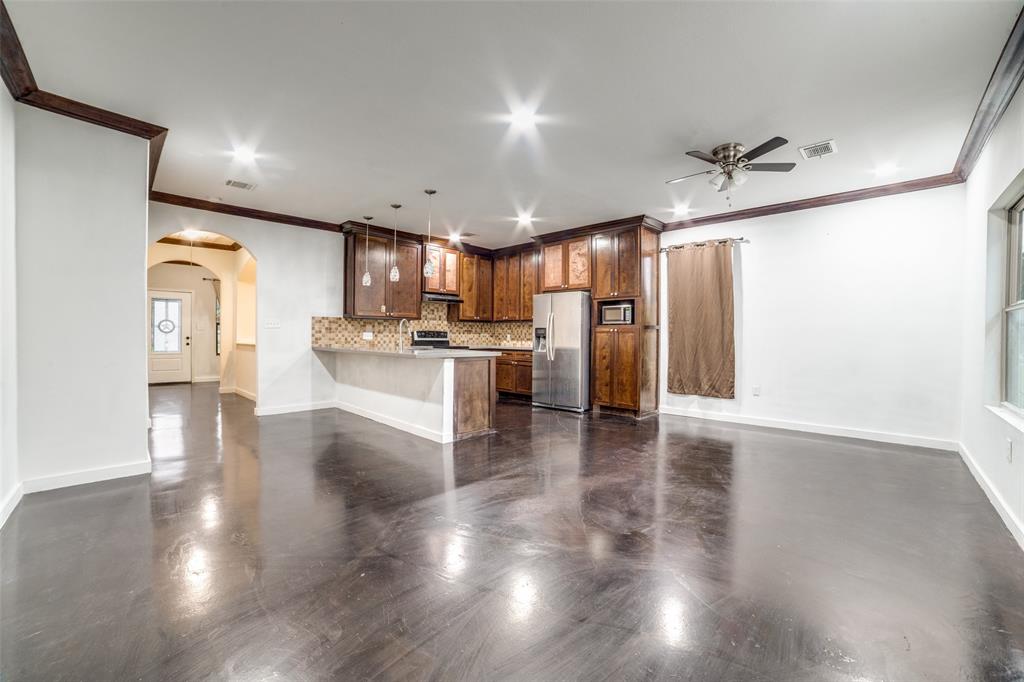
x=211, y=277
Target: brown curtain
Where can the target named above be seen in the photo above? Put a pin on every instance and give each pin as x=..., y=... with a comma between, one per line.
x=701, y=347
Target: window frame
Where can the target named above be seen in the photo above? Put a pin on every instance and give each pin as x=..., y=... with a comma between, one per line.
x=1014, y=261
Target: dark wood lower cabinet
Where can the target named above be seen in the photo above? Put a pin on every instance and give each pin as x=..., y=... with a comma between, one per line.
x=474, y=396
x=616, y=367
x=514, y=373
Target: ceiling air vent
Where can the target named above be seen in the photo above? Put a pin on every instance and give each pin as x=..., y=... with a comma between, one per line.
x=238, y=184
x=468, y=234
x=818, y=149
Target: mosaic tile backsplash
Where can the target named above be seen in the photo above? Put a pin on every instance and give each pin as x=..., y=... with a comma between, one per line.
x=345, y=332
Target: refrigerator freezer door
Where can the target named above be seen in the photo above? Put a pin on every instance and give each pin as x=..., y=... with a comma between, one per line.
x=569, y=343
x=541, y=351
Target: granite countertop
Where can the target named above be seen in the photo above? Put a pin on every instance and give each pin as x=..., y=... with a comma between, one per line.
x=527, y=349
x=410, y=354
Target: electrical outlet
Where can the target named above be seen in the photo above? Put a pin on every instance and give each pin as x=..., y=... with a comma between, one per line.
x=757, y=390
x=367, y=336
x=1009, y=450
x=272, y=324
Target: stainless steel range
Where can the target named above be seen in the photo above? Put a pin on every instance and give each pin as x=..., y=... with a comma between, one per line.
x=429, y=338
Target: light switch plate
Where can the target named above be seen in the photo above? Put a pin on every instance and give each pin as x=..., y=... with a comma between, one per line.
x=272, y=324
x=757, y=390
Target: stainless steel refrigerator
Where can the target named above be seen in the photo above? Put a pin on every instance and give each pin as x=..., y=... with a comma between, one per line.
x=561, y=350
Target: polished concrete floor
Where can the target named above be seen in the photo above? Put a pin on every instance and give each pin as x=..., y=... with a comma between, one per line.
x=323, y=545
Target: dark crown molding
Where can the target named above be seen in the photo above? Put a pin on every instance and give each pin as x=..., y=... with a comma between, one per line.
x=1002, y=86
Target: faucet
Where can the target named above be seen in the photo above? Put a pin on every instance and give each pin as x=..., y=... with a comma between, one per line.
x=401, y=336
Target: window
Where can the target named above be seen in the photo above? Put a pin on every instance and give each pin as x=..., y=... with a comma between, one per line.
x=1013, y=314
x=166, y=317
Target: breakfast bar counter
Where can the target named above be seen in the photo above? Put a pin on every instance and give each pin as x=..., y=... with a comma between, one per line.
x=440, y=394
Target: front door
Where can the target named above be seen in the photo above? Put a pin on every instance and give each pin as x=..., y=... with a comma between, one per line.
x=169, y=320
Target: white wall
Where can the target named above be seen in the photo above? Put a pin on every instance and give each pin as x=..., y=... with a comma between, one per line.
x=205, y=363
x=995, y=184
x=299, y=276
x=847, y=317
x=10, y=481
x=82, y=401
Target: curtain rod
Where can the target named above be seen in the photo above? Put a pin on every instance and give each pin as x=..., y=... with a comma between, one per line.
x=734, y=240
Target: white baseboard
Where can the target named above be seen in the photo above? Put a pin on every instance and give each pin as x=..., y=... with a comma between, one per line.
x=297, y=407
x=414, y=429
x=204, y=380
x=245, y=394
x=35, y=485
x=1013, y=523
x=823, y=429
x=9, y=504
x=226, y=389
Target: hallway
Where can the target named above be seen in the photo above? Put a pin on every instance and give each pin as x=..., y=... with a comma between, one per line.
x=322, y=544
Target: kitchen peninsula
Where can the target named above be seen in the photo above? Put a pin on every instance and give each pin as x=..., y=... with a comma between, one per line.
x=440, y=394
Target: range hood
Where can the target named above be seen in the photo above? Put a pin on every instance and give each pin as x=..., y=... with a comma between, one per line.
x=441, y=298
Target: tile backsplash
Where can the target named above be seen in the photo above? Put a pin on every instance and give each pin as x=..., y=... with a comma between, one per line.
x=348, y=333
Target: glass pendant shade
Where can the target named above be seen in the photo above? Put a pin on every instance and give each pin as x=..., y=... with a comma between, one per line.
x=717, y=180
x=367, y=280
x=428, y=265
x=394, y=275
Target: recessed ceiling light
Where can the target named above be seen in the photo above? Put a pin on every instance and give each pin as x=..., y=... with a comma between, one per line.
x=681, y=210
x=454, y=237
x=523, y=119
x=884, y=170
x=245, y=155
x=524, y=219
x=191, y=234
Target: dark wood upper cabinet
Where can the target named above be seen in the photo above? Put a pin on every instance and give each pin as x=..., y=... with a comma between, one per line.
x=528, y=286
x=376, y=253
x=616, y=367
x=566, y=265
x=616, y=264
x=475, y=283
x=445, y=279
x=515, y=277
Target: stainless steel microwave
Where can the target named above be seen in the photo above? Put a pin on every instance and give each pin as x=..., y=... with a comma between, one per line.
x=619, y=313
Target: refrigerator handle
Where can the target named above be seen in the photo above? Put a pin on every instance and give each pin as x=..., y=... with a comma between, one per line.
x=551, y=336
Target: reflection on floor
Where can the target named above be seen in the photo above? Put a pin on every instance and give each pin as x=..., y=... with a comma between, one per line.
x=322, y=544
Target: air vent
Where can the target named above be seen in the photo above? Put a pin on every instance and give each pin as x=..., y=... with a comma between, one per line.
x=819, y=149
x=238, y=184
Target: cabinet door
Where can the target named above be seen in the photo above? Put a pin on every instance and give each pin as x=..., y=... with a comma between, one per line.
x=577, y=275
x=528, y=287
x=627, y=263
x=469, y=309
x=524, y=377
x=513, y=288
x=485, y=294
x=450, y=280
x=604, y=265
x=404, y=295
x=604, y=364
x=500, y=288
x=432, y=253
x=504, y=375
x=370, y=301
x=625, y=387
x=553, y=275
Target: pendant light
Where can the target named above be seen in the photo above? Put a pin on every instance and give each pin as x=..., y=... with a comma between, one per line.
x=428, y=265
x=367, y=280
x=394, y=275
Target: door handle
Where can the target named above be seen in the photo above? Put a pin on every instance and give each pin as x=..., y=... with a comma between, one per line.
x=551, y=336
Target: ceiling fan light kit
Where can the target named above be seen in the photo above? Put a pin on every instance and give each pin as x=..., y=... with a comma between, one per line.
x=734, y=165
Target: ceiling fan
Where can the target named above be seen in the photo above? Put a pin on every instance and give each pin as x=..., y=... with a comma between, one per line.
x=733, y=163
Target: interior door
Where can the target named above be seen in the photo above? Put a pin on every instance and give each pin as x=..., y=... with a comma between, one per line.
x=169, y=319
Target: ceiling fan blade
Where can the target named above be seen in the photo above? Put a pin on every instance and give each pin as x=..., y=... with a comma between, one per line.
x=691, y=175
x=773, y=167
x=763, y=149
x=703, y=156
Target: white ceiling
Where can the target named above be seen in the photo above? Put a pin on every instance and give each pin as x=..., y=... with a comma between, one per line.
x=353, y=106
